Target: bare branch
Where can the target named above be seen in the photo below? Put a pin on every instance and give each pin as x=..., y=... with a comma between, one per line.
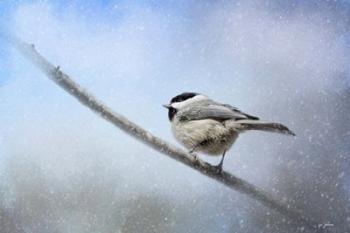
x=87, y=99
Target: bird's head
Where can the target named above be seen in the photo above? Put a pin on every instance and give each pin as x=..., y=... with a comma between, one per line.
x=181, y=101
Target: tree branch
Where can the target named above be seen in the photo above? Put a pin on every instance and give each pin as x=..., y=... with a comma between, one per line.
x=87, y=99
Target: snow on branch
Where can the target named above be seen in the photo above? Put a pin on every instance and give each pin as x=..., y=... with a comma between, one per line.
x=158, y=144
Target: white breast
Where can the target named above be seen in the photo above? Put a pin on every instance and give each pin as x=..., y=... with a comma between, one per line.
x=192, y=133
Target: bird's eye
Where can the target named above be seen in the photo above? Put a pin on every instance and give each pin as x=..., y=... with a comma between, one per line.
x=172, y=112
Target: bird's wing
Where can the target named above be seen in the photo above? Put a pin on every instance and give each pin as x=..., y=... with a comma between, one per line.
x=214, y=111
x=248, y=116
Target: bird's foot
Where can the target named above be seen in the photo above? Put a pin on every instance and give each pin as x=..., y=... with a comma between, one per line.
x=218, y=168
x=192, y=152
x=194, y=155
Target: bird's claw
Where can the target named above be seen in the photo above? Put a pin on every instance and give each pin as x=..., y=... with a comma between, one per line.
x=195, y=156
x=218, y=168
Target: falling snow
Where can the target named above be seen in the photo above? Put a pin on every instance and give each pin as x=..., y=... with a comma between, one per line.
x=63, y=169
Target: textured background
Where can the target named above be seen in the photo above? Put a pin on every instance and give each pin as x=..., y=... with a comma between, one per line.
x=63, y=169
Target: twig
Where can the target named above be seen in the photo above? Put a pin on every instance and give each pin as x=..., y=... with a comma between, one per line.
x=229, y=180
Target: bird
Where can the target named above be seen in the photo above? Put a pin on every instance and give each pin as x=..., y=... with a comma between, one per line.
x=203, y=125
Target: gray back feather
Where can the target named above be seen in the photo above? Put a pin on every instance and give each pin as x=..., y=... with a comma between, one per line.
x=208, y=109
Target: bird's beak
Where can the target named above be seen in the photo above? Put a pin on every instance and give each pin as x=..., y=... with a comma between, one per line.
x=166, y=106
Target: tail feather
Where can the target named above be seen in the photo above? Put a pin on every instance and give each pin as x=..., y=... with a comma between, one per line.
x=265, y=126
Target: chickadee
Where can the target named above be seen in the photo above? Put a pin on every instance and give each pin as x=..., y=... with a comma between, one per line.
x=203, y=125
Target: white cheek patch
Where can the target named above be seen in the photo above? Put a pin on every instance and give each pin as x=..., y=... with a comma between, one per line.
x=179, y=105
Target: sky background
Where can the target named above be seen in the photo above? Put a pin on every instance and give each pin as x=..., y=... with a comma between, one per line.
x=63, y=169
